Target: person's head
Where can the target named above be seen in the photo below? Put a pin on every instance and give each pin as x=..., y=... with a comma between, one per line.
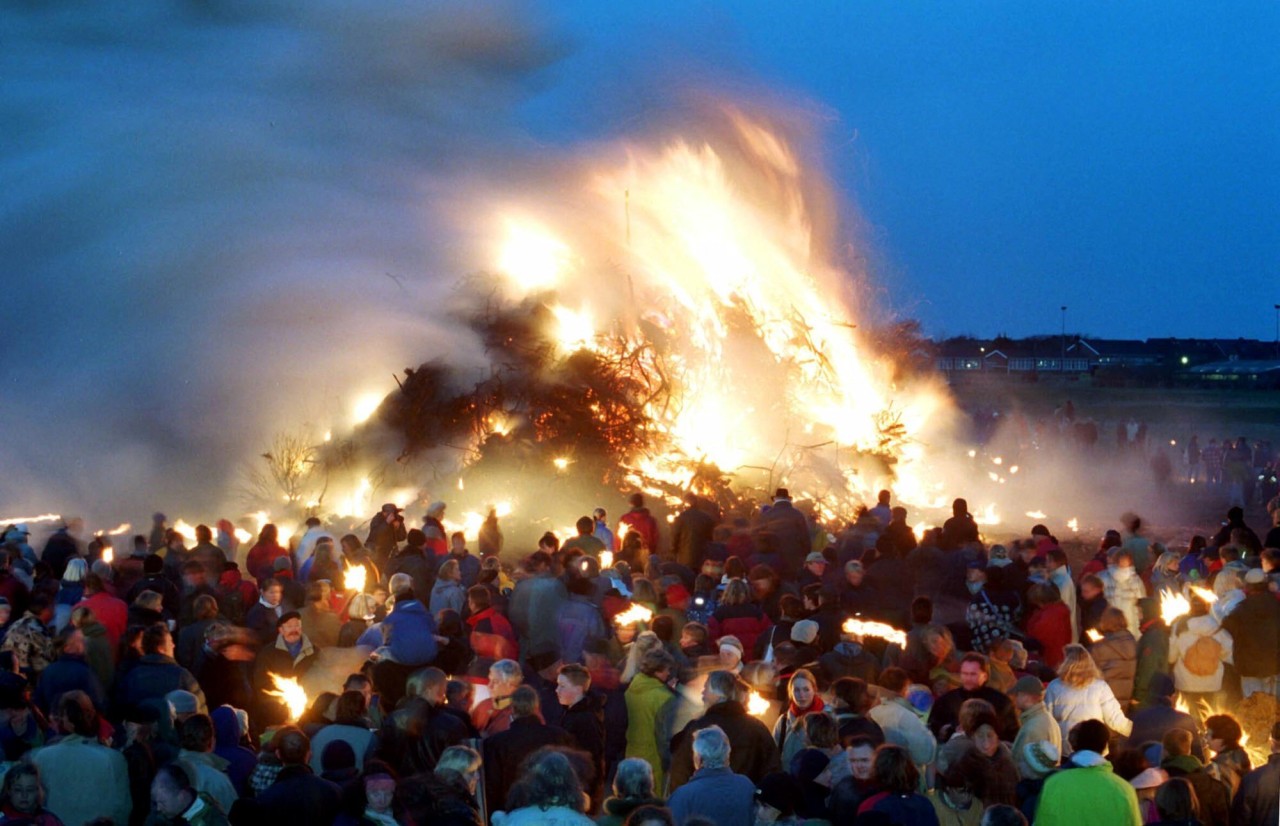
x=710, y=748
x=401, y=586
x=459, y=694
x=853, y=694
x=814, y=596
x=736, y=593
x=1090, y=587
x=657, y=663
x=894, y=680
x=429, y=683
x=272, y=591
x=984, y=734
x=821, y=730
x=204, y=607
x=362, y=684
x=23, y=789
x=1043, y=593
x=721, y=686
x=76, y=714
x=572, y=684
x=693, y=635
x=196, y=733
x=505, y=677
x=1078, y=668
x=548, y=779
x=816, y=564
x=293, y=747
x=172, y=792
x=861, y=751
x=157, y=640
x=289, y=627
x=524, y=702
x=350, y=709
x=461, y=761
x=1090, y=735
x=854, y=573
x=634, y=779
x=1222, y=732
x=1056, y=558
x=268, y=535
x=1120, y=558
x=1112, y=621
x=893, y=770
x=975, y=577
x=802, y=688
x=1002, y=814
x=1176, y=801
x=974, y=671
x=921, y=611
x=1027, y=693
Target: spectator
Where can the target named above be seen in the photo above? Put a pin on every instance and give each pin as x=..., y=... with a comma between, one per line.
x=1254, y=627
x=1049, y=623
x=898, y=719
x=156, y=673
x=1116, y=655
x=493, y=714
x=1199, y=649
x=548, y=792
x=1230, y=763
x=651, y=706
x=1090, y=794
x=350, y=725
x=505, y=751
x=1079, y=693
x=632, y=789
x=714, y=790
x=1035, y=724
x=583, y=718
x=297, y=795
x=292, y=656
x=803, y=698
x=1215, y=800
x=897, y=780
x=1257, y=802
x=23, y=797
x=177, y=799
x=974, y=672
x=320, y=622
x=84, y=778
x=206, y=769
x=723, y=695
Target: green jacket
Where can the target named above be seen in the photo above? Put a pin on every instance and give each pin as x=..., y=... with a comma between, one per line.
x=1153, y=659
x=1088, y=796
x=650, y=705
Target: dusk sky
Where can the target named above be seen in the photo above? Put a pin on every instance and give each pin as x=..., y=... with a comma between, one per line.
x=1007, y=158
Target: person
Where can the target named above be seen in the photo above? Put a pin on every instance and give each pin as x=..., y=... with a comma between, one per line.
x=1215, y=800
x=1002, y=815
x=350, y=725
x=1116, y=655
x=468, y=563
x=448, y=593
x=409, y=632
x=22, y=798
x=737, y=616
x=1123, y=587
x=1254, y=627
x=974, y=673
x=1151, y=723
x=297, y=795
x=1230, y=761
x=992, y=613
x=112, y=612
x=691, y=532
x=714, y=791
x=987, y=766
x=1257, y=801
x=803, y=698
x=445, y=796
x=262, y=556
x=493, y=714
x=899, y=720
x=897, y=779
x=579, y=623
x=176, y=799
x=960, y=529
x=28, y=639
x=651, y=706
x=534, y=599
x=548, y=793
x=69, y=672
x=632, y=789
x=583, y=717
x=418, y=562
x=640, y=521
x=1199, y=648
x=1176, y=803
x=1090, y=793
x=723, y=695
x=156, y=673
x=421, y=730
x=84, y=778
x=954, y=801
x=292, y=656
x=386, y=531
x=1050, y=622
x=505, y=751
x=206, y=769
x=320, y=622
x=1079, y=693
x=585, y=540
x=379, y=809
x=1035, y=724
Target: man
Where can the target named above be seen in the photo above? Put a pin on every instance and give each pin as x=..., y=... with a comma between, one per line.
x=899, y=720
x=1090, y=793
x=815, y=570
x=194, y=586
x=415, y=735
x=468, y=563
x=585, y=540
x=691, y=532
x=974, y=672
x=416, y=560
x=209, y=555
x=154, y=579
x=292, y=655
x=61, y=547
x=491, y=637
x=583, y=717
x=790, y=527
x=386, y=531
x=84, y=779
x=579, y=623
x=1254, y=626
x=1151, y=723
x=602, y=532
x=856, y=597
x=297, y=795
x=156, y=673
x=882, y=511
x=176, y=555
x=849, y=793
x=640, y=520
x=714, y=791
x=504, y=751
x=535, y=600
x=899, y=534
x=204, y=612
x=69, y=672
x=226, y=680
x=960, y=529
x=1035, y=724
x=307, y=544
x=493, y=714
x=1257, y=801
x=112, y=612
x=263, y=617
x=177, y=801
x=1214, y=795
x=756, y=755
x=1060, y=577
x=207, y=770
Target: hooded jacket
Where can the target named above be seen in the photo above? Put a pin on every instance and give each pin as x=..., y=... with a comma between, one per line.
x=1186, y=632
x=410, y=632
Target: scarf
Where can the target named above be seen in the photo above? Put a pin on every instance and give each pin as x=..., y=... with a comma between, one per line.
x=796, y=712
x=380, y=818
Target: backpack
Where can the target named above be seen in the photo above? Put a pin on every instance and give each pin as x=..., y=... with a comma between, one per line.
x=1203, y=657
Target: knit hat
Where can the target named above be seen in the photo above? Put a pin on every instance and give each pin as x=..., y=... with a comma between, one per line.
x=1028, y=685
x=1041, y=757
x=732, y=642
x=436, y=509
x=1149, y=778
x=804, y=632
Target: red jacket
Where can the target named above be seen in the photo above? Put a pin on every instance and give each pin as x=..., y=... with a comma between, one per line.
x=1050, y=625
x=492, y=637
x=113, y=613
x=746, y=622
x=260, y=560
x=643, y=523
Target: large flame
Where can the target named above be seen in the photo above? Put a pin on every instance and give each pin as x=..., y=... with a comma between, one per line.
x=636, y=613
x=290, y=692
x=354, y=578
x=1173, y=605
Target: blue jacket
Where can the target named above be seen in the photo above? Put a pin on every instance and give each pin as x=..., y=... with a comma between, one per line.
x=579, y=624
x=719, y=794
x=412, y=636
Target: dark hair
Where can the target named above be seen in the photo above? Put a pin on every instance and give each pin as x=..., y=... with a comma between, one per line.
x=292, y=746
x=154, y=637
x=1002, y=814
x=790, y=605
x=893, y=770
x=979, y=659
x=893, y=678
x=197, y=733
x=853, y=692
x=821, y=730
x=76, y=709
x=664, y=626
x=524, y=702
x=1224, y=727
x=350, y=709
x=645, y=815
x=547, y=780
x=1090, y=735
x=479, y=595
x=735, y=568
x=175, y=774
x=921, y=610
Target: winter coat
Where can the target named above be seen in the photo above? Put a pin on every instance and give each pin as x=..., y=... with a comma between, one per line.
x=650, y=706
x=448, y=594
x=616, y=810
x=99, y=653
x=1153, y=661
x=276, y=659
x=1254, y=627
x=690, y=535
x=420, y=565
x=68, y=673
x=113, y=613
x=533, y=603
x=1036, y=725
x=849, y=659
x=84, y=780
x=584, y=721
x=261, y=560
x=1124, y=593
x=298, y=796
x=537, y=816
x=754, y=753
x=410, y=631
x=492, y=637
x=1257, y=803
x=643, y=523
x=1117, y=657
x=579, y=624
x=1094, y=701
x=791, y=529
x=746, y=622
x=1088, y=796
x=240, y=760
x=903, y=727
x=505, y=751
x=727, y=798
x=1050, y=625
x=208, y=770
x=1185, y=633
x=151, y=678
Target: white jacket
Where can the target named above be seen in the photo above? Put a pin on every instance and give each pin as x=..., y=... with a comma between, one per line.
x=1182, y=637
x=1095, y=701
x=903, y=727
x=1125, y=594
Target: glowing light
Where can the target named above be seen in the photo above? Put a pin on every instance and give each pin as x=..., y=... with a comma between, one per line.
x=243, y=535
x=461, y=486
x=1173, y=605
x=987, y=516
x=290, y=692
x=561, y=463
x=1073, y=525
x=502, y=509
x=188, y=532
x=1093, y=635
x=606, y=559
x=353, y=579
x=45, y=517
x=122, y=528
x=636, y=613
x=328, y=435
x=365, y=406
x=1036, y=515
x=921, y=529
x=1181, y=704
x=884, y=631
x=973, y=454
x=1013, y=469
x=757, y=705
x=575, y=330
x=108, y=555
x=1205, y=594
x=531, y=257
x=997, y=461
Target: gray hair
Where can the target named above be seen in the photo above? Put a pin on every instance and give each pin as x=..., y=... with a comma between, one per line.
x=726, y=684
x=634, y=779
x=711, y=748
x=400, y=583
x=508, y=671
x=460, y=759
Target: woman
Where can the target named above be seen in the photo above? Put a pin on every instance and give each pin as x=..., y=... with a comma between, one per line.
x=802, y=695
x=632, y=788
x=852, y=700
x=350, y=724
x=1123, y=587
x=822, y=755
x=448, y=593
x=988, y=766
x=1081, y=694
x=1049, y=623
x=70, y=591
x=548, y=793
x=897, y=779
x=954, y=802
x=319, y=621
x=379, y=788
x=22, y=798
x=1198, y=648
x=264, y=553
x=649, y=706
x=1176, y=803
x=738, y=616
x=1230, y=761
x=1116, y=655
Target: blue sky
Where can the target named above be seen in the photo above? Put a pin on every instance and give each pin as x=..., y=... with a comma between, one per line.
x=1006, y=158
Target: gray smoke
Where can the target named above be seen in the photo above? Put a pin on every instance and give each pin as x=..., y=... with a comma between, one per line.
x=215, y=225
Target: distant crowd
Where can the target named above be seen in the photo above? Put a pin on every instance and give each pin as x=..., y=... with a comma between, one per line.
x=731, y=668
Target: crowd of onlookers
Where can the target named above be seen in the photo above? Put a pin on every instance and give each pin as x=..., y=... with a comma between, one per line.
x=744, y=667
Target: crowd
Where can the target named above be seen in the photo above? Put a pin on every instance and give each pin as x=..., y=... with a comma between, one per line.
x=725, y=668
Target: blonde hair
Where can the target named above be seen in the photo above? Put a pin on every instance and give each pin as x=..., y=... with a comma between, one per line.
x=735, y=593
x=1078, y=668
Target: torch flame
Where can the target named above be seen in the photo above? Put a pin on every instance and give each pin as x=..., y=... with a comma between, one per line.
x=353, y=579
x=864, y=628
x=606, y=559
x=757, y=705
x=108, y=555
x=1093, y=634
x=122, y=528
x=636, y=613
x=1173, y=605
x=290, y=692
x=1205, y=594
x=1073, y=525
